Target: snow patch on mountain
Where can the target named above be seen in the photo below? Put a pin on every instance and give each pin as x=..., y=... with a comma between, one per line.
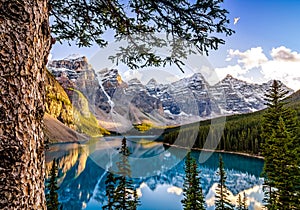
x=186, y=100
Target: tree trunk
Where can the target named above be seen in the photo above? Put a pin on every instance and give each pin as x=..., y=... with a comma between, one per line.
x=24, y=47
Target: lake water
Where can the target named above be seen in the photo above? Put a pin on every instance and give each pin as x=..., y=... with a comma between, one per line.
x=157, y=171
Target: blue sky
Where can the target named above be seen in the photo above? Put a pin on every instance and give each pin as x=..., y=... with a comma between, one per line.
x=267, y=23
x=266, y=44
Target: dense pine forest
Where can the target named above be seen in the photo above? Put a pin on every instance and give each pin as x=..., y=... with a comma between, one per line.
x=242, y=133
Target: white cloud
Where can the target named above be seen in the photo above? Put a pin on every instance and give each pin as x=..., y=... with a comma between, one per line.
x=139, y=190
x=131, y=74
x=250, y=58
x=170, y=79
x=284, y=64
x=174, y=190
x=234, y=70
x=286, y=71
x=284, y=54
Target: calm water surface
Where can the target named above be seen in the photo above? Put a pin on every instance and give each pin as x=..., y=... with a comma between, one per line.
x=158, y=174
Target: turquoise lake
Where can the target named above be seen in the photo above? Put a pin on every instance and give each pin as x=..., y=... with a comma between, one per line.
x=157, y=172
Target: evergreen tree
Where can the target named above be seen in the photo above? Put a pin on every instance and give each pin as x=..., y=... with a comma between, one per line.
x=244, y=202
x=222, y=202
x=110, y=191
x=281, y=168
x=276, y=109
x=192, y=190
x=239, y=203
x=125, y=196
x=285, y=172
x=134, y=203
x=187, y=200
x=52, y=195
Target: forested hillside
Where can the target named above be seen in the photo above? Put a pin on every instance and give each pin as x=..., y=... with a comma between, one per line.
x=241, y=132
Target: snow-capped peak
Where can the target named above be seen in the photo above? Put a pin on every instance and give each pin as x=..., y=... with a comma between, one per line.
x=152, y=82
x=74, y=57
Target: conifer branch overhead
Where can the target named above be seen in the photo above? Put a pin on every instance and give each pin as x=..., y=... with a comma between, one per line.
x=199, y=24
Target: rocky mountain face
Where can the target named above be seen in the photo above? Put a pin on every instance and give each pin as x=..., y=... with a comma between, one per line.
x=141, y=98
x=58, y=104
x=74, y=72
x=188, y=96
x=70, y=87
x=229, y=96
x=237, y=96
x=240, y=96
x=189, y=99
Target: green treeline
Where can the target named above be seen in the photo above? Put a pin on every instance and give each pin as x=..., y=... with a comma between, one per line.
x=241, y=133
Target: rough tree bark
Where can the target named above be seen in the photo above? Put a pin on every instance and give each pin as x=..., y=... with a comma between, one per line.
x=24, y=47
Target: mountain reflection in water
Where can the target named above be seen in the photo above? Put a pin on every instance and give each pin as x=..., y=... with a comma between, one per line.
x=157, y=170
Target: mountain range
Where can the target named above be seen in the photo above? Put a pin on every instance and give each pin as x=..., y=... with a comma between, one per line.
x=120, y=106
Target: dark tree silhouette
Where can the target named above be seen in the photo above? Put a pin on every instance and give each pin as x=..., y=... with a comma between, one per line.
x=110, y=183
x=192, y=190
x=119, y=189
x=52, y=187
x=241, y=203
x=281, y=168
x=222, y=202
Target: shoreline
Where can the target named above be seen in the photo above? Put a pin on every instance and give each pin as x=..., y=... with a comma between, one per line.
x=173, y=145
x=220, y=151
